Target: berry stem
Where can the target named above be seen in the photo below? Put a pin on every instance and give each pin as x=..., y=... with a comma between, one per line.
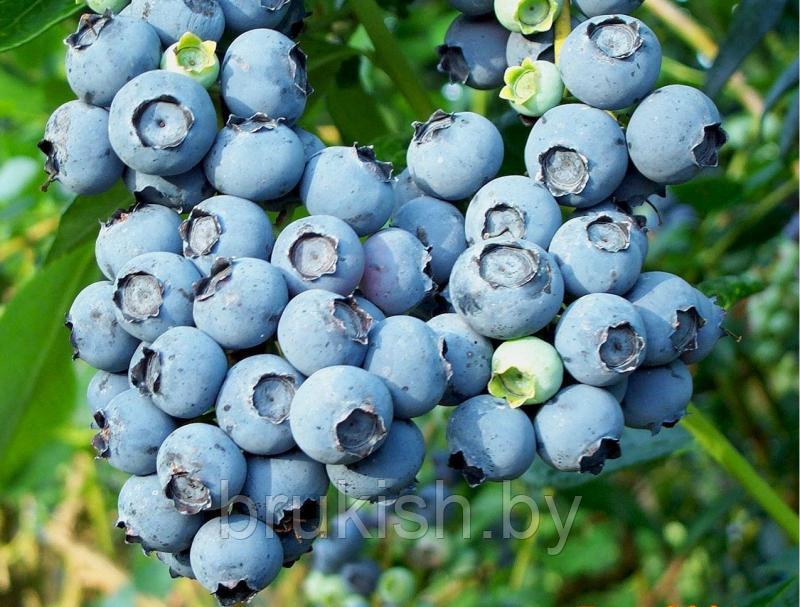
x=563, y=28
x=715, y=444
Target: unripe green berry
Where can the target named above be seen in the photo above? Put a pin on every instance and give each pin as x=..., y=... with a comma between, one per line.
x=526, y=371
x=527, y=16
x=533, y=87
x=397, y=586
x=324, y=590
x=193, y=57
x=101, y=6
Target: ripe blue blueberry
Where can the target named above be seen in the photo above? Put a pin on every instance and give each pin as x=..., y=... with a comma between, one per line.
x=94, y=332
x=234, y=557
x=610, y=62
x=319, y=252
x=404, y=189
x=133, y=232
x=618, y=390
x=474, y=52
x=178, y=563
x=579, y=429
x=321, y=329
x=469, y=355
x=264, y=71
x=389, y=472
x=256, y=158
x=200, y=468
x=351, y=184
x=710, y=333
x=103, y=387
x=343, y=543
x=240, y=302
x=226, y=226
x=361, y=577
x=254, y=402
x=162, y=123
x=370, y=308
x=79, y=154
x=537, y=47
x=311, y=143
x=506, y=289
x=173, y=18
x=150, y=519
x=578, y=153
x=106, y=52
x=409, y=357
x=473, y=7
x=635, y=190
x=299, y=540
x=674, y=134
x=439, y=226
x=452, y=155
x=512, y=208
x=341, y=414
x=153, y=293
x=488, y=440
x=670, y=309
x=161, y=372
x=180, y=192
x=657, y=396
x=601, y=339
x=595, y=8
x=244, y=15
x=131, y=429
x=397, y=272
x=597, y=254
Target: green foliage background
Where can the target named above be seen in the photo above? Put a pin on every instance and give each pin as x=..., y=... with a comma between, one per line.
x=704, y=516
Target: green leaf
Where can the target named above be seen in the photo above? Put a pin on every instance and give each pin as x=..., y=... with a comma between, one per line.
x=787, y=80
x=23, y=20
x=354, y=112
x=37, y=375
x=729, y=290
x=79, y=222
x=752, y=19
x=780, y=594
x=790, y=126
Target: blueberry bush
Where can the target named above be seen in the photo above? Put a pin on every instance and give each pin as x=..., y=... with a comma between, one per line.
x=286, y=276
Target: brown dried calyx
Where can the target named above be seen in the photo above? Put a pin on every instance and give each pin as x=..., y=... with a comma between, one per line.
x=424, y=132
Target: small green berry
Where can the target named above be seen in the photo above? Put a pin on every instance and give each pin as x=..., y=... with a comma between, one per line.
x=193, y=57
x=324, y=590
x=101, y=6
x=533, y=87
x=526, y=371
x=527, y=16
x=397, y=586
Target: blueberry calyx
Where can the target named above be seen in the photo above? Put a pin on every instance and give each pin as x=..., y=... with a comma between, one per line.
x=607, y=234
x=234, y=592
x=563, y=171
x=100, y=440
x=255, y=123
x=200, y=233
x=424, y=132
x=509, y=265
x=503, y=219
x=189, y=494
x=597, y=454
x=272, y=395
x=687, y=323
x=298, y=71
x=51, y=163
x=453, y=63
x=313, y=254
x=381, y=169
x=146, y=372
x=349, y=318
x=706, y=151
x=615, y=37
x=162, y=123
x=274, y=6
x=193, y=57
x=206, y=287
x=138, y=296
x=89, y=28
x=360, y=431
x=621, y=348
x=474, y=475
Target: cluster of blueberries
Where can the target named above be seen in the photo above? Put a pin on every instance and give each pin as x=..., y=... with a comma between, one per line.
x=237, y=366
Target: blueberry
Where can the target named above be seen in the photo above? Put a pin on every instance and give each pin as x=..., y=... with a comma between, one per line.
x=257, y=158
x=200, y=468
x=389, y=472
x=178, y=564
x=601, y=339
x=150, y=519
x=162, y=123
x=235, y=557
x=506, y=289
x=532, y=88
x=397, y=272
x=526, y=371
x=636, y=222
x=474, y=52
x=79, y=155
x=133, y=232
x=226, y=226
x=300, y=539
x=361, y=577
x=264, y=71
x=103, y=387
x=618, y=390
x=635, y=190
x=341, y=414
x=452, y=155
x=162, y=372
x=578, y=153
x=598, y=254
x=343, y=543
x=173, y=18
x=321, y=329
x=193, y=57
x=535, y=47
x=579, y=429
x=469, y=355
x=488, y=440
x=94, y=332
x=595, y=8
x=244, y=15
x=527, y=16
x=709, y=334
x=105, y=52
x=254, y=402
x=473, y=7
x=439, y=226
x=409, y=357
x=370, y=308
x=153, y=293
x=610, y=62
x=319, y=252
x=240, y=302
x=131, y=430
x=293, y=22
x=351, y=184
x=180, y=192
x=674, y=134
x=657, y=397
x=311, y=143
x=670, y=309
x=512, y=208
x=404, y=189
x=286, y=489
